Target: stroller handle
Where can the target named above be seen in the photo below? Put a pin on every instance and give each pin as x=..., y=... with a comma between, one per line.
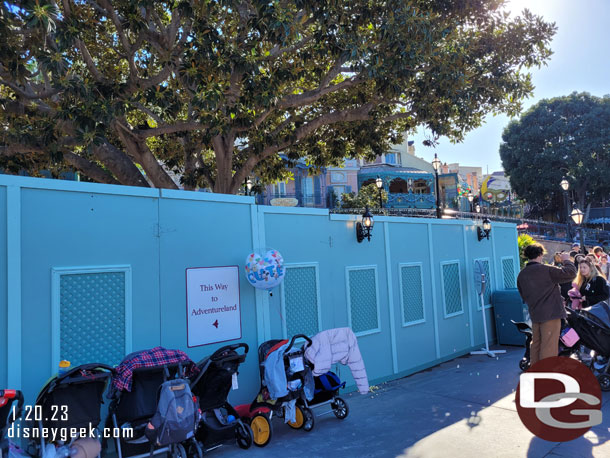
x=13, y=394
x=218, y=353
x=295, y=337
x=87, y=367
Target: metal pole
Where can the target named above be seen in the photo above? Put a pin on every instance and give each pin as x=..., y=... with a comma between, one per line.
x=438, y=196
x=582, y=240
x=380, y=199
x=567, y=205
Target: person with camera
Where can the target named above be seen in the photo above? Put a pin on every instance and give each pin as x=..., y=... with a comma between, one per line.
x=538, y=285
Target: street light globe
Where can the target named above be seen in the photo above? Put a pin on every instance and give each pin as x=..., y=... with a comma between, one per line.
x=379, y=182
x=367, y=219
x=436, y=163
x=470, y=197
x=565, y=184
x=477, y=208
x=249, y=184
x=577, y=216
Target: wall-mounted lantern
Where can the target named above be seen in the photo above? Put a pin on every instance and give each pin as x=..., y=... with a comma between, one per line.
x=483, y=233
x=364, y=228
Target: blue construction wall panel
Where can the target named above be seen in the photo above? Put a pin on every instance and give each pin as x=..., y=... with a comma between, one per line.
x=62, y=229
x=415, y=344
x=157, y=235
x=197, y=233
x=3, y=291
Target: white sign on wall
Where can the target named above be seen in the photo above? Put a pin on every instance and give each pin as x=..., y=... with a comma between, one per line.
x=212, y=305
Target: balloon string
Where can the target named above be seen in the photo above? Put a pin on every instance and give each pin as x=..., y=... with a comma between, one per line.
x=279, y=310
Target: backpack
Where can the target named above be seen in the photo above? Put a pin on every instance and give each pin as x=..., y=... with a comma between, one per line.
x=176, y=417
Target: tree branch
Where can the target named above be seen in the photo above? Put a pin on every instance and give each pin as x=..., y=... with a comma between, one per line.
x=169, y=129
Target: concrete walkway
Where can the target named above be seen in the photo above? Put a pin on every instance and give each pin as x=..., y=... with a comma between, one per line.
x=462, y=408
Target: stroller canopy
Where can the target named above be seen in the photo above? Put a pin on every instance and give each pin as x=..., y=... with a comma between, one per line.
x=155, y=357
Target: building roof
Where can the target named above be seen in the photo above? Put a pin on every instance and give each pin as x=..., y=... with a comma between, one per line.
x=389, y=168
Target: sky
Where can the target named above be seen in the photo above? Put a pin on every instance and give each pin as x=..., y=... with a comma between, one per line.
x=580, y=62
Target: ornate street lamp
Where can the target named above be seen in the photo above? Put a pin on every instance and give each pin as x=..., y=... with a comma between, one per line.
x=565, y=185
x=248, y=186
x=470, y=199
x=483, y=233
x=578, y=216
x=364, y=228
x=436, y=164
x=379, y=184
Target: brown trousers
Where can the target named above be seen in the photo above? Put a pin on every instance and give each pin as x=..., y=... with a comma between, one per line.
x=545, y=340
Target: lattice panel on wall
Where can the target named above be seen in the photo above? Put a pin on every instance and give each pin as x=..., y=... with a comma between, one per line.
x=452, y=289
x=92, y=317
x=412, y=294
x=301, y=301
x=488, y=283
x=508, y=273
x=363, y=300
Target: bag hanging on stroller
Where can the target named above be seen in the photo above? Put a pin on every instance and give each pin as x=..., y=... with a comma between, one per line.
x=146, y=384
x=285, y=393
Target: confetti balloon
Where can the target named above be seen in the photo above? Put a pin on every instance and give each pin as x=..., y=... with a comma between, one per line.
x=265, y=272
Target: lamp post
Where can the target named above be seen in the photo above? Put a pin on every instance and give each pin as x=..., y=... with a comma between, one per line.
x=379, y=184
x=565, y=185
x=248, y=186
x=436, y=164
x=470, y=199
x=577, y=215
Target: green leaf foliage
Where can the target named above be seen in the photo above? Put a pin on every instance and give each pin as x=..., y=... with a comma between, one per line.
x=214, y=90
x=368, y=196
x=561, y=137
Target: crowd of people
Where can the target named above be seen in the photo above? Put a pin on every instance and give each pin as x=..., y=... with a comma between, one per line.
x=575, y=279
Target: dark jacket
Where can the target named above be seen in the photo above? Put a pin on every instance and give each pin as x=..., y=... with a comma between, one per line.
x=539, y=288
x=594, y=291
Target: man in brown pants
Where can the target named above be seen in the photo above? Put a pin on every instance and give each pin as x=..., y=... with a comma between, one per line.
x=539, y=288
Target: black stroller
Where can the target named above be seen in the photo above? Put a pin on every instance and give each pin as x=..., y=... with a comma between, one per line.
x=297, y=370
x=71, y=401
x=8, y=414
x=131, y=411
x=220, y=422
x=593, y=328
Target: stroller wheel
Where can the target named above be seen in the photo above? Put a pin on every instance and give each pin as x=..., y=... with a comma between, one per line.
x=244, y=436
x=193, y=449
x=340, y=408
x=178, y=451
x=309, y=419
x=261, y=429
x=604, y=382
x=524, y=364
x=299, y=418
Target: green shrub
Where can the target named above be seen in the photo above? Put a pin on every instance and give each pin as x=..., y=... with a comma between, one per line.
x=523, y=241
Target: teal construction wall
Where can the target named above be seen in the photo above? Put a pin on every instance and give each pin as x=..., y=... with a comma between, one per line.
x=408, y=293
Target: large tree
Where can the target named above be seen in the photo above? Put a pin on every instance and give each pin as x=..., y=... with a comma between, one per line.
x=556, y=138
x=215, y=89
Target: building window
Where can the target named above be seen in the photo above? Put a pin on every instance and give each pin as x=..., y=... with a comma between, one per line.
x=279, y=189
x=421, y=187
x=398, y=186
x=390, y=158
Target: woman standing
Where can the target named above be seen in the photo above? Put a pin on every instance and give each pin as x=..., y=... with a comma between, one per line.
x=593, y=287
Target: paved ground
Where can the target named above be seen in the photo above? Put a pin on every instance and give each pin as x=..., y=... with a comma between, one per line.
x=462, y=408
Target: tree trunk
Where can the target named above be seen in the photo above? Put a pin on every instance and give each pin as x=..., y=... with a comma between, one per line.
x=223, y=148
x=120, y=165
x=138, y=149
